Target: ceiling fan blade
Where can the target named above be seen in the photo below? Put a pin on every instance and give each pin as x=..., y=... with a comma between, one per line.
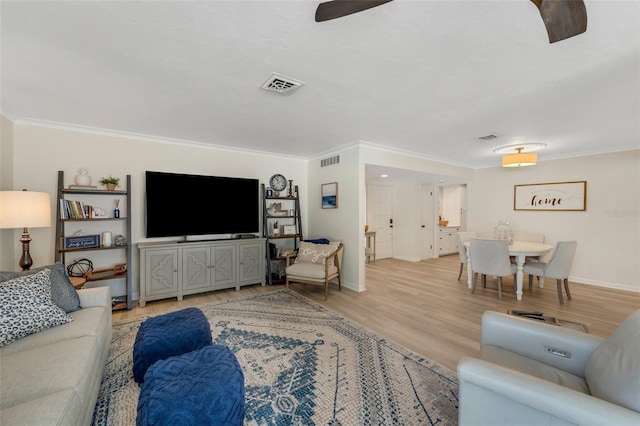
x=563, y=18
x=339, y=8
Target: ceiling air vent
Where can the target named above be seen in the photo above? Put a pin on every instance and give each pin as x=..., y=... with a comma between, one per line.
x=488, y=138
x=281, y=84
x=330, y=161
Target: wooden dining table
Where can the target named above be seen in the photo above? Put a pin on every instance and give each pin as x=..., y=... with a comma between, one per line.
x=520, y=250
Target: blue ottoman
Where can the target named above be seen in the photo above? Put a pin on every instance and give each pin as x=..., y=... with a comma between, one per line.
x=168, y=335
x=203, y=387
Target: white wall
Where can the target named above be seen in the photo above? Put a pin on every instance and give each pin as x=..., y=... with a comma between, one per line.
x=608, y=232
x=7, y=251
x=39, y=152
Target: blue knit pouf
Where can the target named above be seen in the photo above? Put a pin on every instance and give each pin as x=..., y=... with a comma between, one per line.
x=203, y=387
x=167, y=335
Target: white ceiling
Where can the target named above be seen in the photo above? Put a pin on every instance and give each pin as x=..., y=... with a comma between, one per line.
x=424, y=77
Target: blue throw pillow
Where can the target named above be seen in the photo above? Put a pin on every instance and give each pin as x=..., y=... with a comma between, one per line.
x=318, y=241
x=62, y=291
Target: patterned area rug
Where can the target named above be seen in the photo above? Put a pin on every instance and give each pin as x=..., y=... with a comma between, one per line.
x=303, y=365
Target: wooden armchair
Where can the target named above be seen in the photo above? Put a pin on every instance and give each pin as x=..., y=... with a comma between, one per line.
x=317, y=264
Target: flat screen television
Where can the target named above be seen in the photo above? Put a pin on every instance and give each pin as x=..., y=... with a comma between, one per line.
x=188, y=205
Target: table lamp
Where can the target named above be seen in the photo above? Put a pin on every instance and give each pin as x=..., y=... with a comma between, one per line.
x=24, y=209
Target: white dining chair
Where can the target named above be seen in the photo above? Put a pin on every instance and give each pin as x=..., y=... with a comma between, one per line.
x=558, y=267
x=461, y=238
x=490, y=257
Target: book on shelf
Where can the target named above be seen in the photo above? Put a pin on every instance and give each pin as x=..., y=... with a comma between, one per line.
x=83, y=187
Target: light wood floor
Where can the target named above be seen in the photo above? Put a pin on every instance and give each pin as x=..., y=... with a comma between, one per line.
x=423, y=307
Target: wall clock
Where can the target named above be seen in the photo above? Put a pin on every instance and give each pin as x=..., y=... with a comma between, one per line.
x=278, y=182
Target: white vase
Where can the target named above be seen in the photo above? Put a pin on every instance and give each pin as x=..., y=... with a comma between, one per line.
x=83, y=178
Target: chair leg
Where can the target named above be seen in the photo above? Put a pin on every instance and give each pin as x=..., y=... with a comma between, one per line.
x=530, y=283
x=326, y=290
x=566, y=288
x=484, y=281
x=473, y=282
x=460, y=273
x=559, y=284
x=500, y=288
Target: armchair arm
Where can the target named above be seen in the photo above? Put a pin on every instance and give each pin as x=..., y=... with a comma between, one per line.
x=528, y=400
x=288, y=258
x=536, y=340
x=95, y=296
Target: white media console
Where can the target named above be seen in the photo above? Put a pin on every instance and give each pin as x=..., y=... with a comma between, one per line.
x=175, y=269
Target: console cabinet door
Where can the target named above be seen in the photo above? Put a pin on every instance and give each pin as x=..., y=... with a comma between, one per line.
x=251, y=262
x=161, y=272
x=197, y=269
x=224, y=266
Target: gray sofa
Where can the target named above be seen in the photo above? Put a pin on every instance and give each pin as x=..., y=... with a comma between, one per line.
x=532, y=373
x=52, y=377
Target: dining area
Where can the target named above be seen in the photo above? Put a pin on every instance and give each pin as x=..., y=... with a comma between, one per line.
x=507, y=253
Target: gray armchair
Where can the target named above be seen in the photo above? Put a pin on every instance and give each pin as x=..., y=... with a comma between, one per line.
x=532, y=373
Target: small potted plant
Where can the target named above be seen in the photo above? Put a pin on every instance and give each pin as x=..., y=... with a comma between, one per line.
x=110, y=182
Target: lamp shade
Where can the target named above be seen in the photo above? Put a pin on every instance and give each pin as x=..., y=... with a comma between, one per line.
x=521, y=159
x=24, y=209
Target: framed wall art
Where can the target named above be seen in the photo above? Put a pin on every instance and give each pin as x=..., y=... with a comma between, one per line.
x=289, y=230
x=330, y=195
x=554, y=196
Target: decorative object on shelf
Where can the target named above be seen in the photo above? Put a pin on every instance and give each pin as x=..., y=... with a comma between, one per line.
x=330, y=195
x=106, y=239
x=503, y=231
x=79, y=268
x=116, y=211
x=80, y=242
x=556, y=196
x=366, y=228
x=290, y=194
x=275, y=209
x=269, y=192
x=99, y=212
x=110, y=182
x=117, y=269
x=82, y=178
x=278, y=182
x=289, y=229
x=120, y=241
x=276, y=230
x=25, y=209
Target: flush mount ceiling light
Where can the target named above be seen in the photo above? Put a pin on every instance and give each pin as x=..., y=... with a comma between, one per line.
x=520, y=155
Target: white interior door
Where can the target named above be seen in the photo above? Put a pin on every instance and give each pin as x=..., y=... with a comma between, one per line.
x=380, y=218
x=427, y=227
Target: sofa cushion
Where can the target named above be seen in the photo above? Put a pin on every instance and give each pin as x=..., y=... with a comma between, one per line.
x=87, y=322
x=62, y=291
x=315, y=253
x=38, y=372
x=26, y=307
x=613, y=370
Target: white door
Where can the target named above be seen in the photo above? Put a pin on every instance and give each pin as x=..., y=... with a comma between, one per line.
x=427, y=227
x=380, y=218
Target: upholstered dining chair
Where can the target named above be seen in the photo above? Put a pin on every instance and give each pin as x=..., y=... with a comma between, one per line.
x=461, y=238
x=490, y=257
x=558, y=267
x=532, y=237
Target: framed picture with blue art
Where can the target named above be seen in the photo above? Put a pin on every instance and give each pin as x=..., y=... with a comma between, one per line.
x=330, y=195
